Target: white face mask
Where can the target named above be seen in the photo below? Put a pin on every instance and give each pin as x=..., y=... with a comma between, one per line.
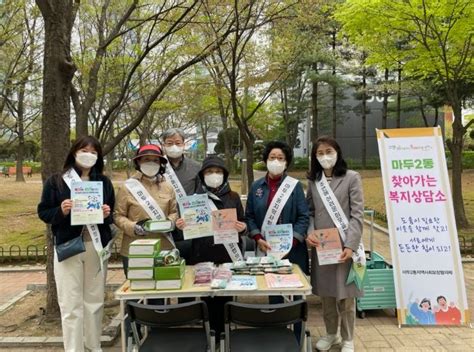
x=86, y=159
x=327, y=161
x=213, y=180
x=150, y=168
x=276, y=167
x=174, y=151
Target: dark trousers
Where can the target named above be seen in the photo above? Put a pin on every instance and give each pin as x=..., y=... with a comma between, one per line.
x=298, y=255
x=215, y=306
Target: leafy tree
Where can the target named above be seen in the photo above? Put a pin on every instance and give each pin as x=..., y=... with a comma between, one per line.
x=437, y=37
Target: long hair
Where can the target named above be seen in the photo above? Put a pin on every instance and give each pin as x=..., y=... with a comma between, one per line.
x=70, y=161
x=80, y=143
x=316, y=171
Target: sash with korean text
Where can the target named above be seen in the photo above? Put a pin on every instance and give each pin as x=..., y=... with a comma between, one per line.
x=172, y=178
x=147, y=202
x=339, y=219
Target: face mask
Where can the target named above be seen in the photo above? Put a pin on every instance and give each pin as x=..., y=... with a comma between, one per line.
x=150, y=168
x=276, y=167
x=213, y=180
x=174, y=151
x=86, y=159
x=327, y=161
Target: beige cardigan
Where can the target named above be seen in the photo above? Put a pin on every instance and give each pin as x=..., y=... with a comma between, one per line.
x=128, y=211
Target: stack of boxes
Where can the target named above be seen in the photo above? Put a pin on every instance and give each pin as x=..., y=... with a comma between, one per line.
x=149, y=268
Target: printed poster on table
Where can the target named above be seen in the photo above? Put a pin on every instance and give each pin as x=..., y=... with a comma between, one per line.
x=223, y=224
x=280, y=239
x=87, y=199
x=428, y=274
x=196, y=213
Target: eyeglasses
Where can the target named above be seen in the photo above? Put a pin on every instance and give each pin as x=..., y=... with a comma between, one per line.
x=280, y=158
x=170, y=144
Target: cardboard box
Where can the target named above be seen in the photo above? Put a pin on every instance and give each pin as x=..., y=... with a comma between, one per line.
x=144, y=247
x=142, y=285
x=140, y=273
x=170, y=272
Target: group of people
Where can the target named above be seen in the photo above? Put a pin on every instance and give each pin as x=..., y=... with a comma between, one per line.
x=165, y=175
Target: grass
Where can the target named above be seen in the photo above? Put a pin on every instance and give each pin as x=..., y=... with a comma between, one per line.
x=20, y=224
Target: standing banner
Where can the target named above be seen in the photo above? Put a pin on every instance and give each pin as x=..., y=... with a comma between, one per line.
x=429, y=279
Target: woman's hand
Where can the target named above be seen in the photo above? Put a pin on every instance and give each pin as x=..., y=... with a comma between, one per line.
x=240, y=226
x=346, y=255
x=106, y=210
x=66, y=206
x=180, y=224
x=263, y=245
x=312, y=239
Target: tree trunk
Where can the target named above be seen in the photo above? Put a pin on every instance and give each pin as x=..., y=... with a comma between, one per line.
x=314, y=107
x=364, y=119
x=20, y=152
x=385, y=101
x=55, y=129
x=334, y=89
x=455, y=147
x=399, y=98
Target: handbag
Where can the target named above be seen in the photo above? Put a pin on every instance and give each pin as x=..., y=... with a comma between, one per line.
x=70, y=248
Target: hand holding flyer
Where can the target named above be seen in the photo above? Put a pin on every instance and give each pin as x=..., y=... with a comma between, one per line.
x=196, y=214
x=87, y=200
x=223, y=224
x=280, y=239
x=330, y=247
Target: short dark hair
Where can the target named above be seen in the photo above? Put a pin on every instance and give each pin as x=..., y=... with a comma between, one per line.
x=425, y=300
x=285, y=148
x=80, y=143
x=316, y=171
x=439, y=297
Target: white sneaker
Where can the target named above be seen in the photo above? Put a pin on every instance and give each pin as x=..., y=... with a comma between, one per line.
x=326, y=342
x=347, y=346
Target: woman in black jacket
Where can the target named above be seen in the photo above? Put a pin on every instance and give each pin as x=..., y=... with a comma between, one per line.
x=79, y=280
x=214, y=178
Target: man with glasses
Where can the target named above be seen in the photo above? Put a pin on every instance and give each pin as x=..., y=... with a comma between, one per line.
x=182, y=173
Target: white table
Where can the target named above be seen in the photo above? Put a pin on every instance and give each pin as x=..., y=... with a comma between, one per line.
x=123, y=294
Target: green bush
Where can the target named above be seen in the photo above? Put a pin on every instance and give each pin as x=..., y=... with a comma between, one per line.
x=260, y=166
x=467, y=159
x=35, y=165
x=300, y=163
x=120, y=165
x=371, y=164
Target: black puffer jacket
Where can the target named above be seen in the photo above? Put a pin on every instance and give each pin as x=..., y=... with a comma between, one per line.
x=55, y=191
x=204, y=249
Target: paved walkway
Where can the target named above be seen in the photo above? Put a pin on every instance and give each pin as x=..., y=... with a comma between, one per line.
x=377, y=332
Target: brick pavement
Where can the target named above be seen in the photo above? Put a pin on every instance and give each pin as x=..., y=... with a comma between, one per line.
x=377, y=332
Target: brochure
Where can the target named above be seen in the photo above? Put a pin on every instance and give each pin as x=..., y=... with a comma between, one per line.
x=196, y=213
x=223, y=224
x=242, y=282
x=283, y=281
x=280, y=239
x=330, y=248
x=87, y=199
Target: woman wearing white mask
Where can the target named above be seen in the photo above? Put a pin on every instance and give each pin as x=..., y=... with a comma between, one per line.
x=214, y=177
x=79, y=280
x=131, y=210
x=282, y=196
x=328, y=169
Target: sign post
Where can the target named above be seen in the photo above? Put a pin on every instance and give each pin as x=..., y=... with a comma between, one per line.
x=429, y=280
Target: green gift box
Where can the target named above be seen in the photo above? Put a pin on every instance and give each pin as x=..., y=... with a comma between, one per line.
x=170, y=272
x=144, y=247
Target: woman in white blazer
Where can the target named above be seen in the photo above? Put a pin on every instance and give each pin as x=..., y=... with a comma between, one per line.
x=329, y=281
